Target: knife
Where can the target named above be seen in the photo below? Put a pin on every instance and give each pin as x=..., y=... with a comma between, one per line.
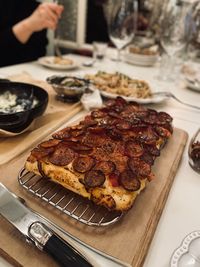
x=36, y=232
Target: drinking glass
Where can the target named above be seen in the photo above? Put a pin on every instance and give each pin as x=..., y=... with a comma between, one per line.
x=194, y=152
x=173, y=32
x=123, y=23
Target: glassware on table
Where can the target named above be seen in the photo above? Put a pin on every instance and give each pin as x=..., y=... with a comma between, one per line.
x=174, y=24
x=99, y=51
x=194, y=152
x=123, y=23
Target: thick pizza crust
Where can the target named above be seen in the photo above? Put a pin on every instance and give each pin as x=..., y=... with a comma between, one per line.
x=113, y=198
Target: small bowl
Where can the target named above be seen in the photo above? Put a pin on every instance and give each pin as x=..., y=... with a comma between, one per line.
x=68, y=88
x=18, y=121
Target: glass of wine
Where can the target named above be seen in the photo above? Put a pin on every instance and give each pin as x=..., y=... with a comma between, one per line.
x=194, y=152
x=123, y=23
x=173, y=33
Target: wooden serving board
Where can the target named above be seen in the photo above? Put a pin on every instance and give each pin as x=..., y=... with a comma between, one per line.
x=131, y=236
x=56, y=114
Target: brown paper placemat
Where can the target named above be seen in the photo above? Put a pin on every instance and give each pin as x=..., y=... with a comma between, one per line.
x=56, y=114
x=130, y=237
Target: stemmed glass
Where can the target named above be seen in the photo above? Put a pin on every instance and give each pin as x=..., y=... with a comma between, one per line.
x=123, y=23
x=173, y=29
x=194, y=152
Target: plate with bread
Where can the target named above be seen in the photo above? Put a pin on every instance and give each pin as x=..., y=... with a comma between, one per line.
x=58, y=63
x=146, y=56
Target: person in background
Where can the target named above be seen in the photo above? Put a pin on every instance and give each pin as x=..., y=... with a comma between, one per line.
x=23, y=25
x=97, y=28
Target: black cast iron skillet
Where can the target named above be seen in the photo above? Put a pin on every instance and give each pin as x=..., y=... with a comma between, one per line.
x=17, y=122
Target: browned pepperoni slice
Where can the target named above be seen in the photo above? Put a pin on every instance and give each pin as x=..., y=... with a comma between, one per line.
x=123, y=125
x=76, y=132
x=92, y=140
x=148, y=158
x=88, y=121
x=133, y=149
x=83, y=164
x=141, y=114
x=97, y=130
x=129, y=181
x=63, y=134
x=108, y=147
x=77, y=146
x=120, y=101
x=114, y=134
x=110, y=102
x=148, y=136
x=151, y=119
x=139, y=167
x=117, y=105
x=114, y=114
x=163, y=132
x=153, y=150
x=106, y=167
x=62, y=155
x=94, y=178
x=97, y=114
x=164, y=118
x=40, y=152
x=50, y=143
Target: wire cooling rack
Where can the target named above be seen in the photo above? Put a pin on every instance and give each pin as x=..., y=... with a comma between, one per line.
x=71, y=204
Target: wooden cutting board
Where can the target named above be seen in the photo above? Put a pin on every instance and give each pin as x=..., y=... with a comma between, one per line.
x=56, y=114
x=131, y=236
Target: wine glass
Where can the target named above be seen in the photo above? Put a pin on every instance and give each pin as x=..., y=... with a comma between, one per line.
x=194, y=152
x=173, y=28
x=123, y=23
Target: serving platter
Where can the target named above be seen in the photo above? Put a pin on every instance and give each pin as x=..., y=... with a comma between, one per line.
x=150, y=100
x=130, y=236
x=140, y=60
x=49, y=62
x=192, y=85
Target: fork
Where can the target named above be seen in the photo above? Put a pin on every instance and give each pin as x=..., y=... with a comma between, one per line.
x=170, y=95
x=57, y=37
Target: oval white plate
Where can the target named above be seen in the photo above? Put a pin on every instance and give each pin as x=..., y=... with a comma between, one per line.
x=141, y=60
x=155, y=99
x=49, y=63
x=192, y=86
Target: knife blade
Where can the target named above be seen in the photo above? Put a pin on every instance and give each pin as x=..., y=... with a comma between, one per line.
x=37, y=232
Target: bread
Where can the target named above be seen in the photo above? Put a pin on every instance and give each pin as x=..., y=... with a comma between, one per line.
x=108, y=156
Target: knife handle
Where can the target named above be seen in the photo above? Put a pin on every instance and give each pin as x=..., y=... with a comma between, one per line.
x=64, y=253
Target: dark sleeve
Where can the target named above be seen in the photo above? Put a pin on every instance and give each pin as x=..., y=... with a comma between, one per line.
x=12, y=51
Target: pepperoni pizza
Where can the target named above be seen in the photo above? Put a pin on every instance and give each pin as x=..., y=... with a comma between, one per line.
x=108, y=156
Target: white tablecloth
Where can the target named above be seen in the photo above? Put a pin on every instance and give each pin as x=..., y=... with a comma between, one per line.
x=180, y=215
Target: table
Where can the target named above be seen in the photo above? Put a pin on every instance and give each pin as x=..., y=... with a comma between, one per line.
x=180, y=215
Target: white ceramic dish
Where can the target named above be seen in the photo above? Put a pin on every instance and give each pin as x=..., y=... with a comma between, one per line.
x=153, y=100
x=49, y=63
x=141, y=60
x=188, y=254
x=193, y=86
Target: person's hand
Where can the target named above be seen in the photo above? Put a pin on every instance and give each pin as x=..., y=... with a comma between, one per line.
x=45, y=16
